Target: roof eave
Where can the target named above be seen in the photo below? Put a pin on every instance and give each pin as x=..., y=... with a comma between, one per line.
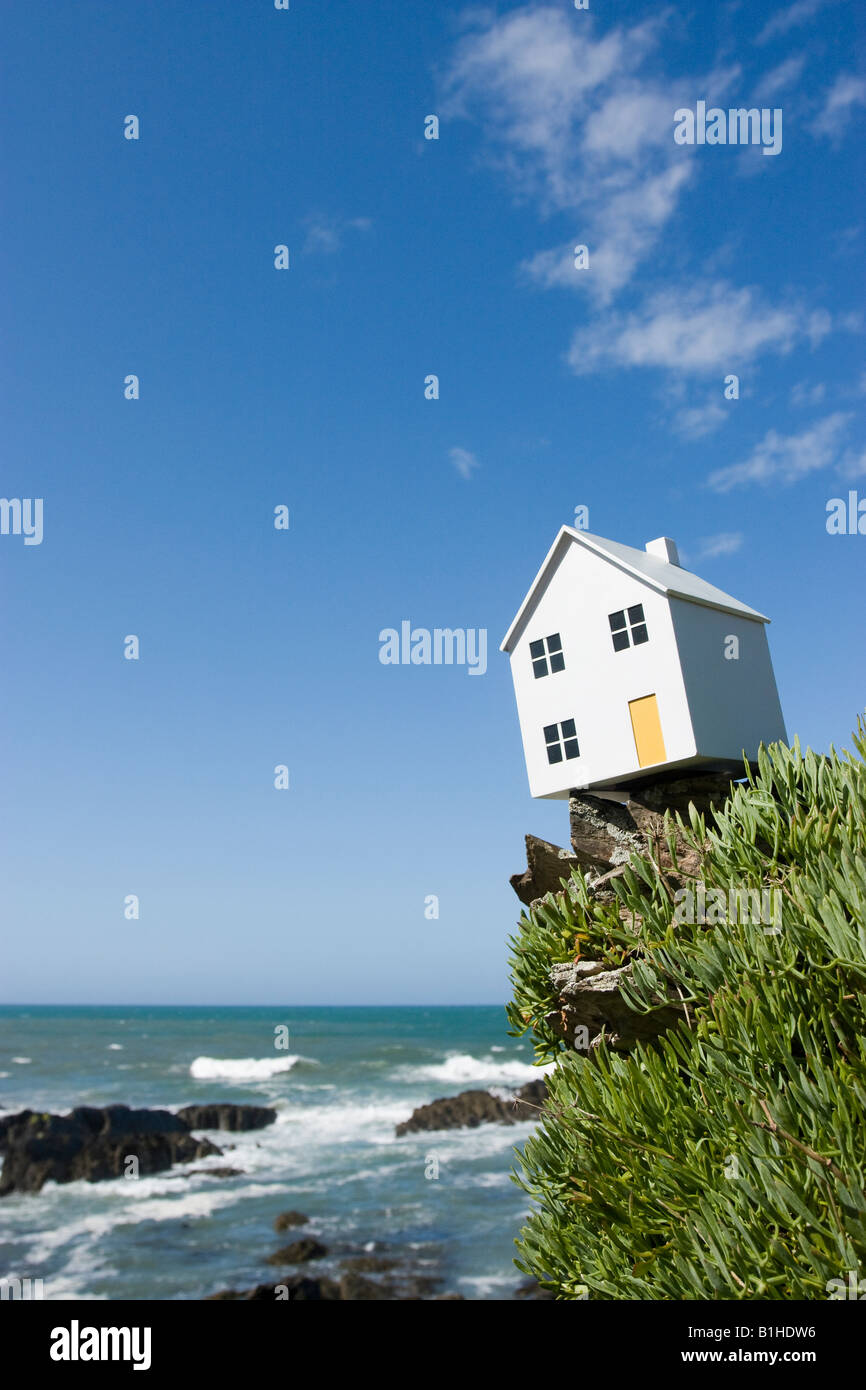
x=567, y=531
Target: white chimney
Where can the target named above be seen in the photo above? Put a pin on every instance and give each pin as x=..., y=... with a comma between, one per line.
x=665, y=549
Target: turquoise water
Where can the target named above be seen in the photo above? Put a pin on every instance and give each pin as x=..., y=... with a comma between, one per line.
x=349, y=1075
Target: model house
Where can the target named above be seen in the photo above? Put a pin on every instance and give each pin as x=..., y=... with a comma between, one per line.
x=625, y=665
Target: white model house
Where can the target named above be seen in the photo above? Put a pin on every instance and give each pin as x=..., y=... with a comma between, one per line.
x=626, y=665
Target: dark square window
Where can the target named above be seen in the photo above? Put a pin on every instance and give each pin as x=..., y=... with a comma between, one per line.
x=628, y=631
x=544, y=650
x=561, y=741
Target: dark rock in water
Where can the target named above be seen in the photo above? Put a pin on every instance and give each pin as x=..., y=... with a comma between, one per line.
x=529, y=1101
x=472, y=1108
x=297, y=1289
x=354, y=1288
x=351, y=1288
x=233, y=1117
x=212, y=1173
x=287, y=1219
x=93, y=1144
x=307, y=1248
x=369, y=1264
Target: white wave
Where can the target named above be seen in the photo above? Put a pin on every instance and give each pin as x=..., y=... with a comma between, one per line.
x=485, y=1284
x=461, y=1067
x=115, y=1047
x=244, y=1068
x=339, y=1124
x=462, y=1146
x=4, y=1074
x=155, y=1199
x=22, y=1061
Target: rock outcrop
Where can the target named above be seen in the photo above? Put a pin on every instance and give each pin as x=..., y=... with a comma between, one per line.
x=590, y=999
x=349, y=1287
x=93, y=1144
x=472, y=1108
x=231, y=1117
x=298, y=1252
x=604, y=834
x=547, y=864
x=287, y=1219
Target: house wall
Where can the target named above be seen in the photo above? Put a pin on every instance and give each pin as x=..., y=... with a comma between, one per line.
x=734, y=704
x=598, y=682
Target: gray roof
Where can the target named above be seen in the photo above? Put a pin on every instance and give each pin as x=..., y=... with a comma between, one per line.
x=668, y=579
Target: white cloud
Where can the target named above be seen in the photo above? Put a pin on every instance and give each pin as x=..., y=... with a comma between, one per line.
x=805, y=394
x=853, y=464
x=787, y=74
x=790, y=17
x=847, y=92
x=696, y=421
x=786, y=458
x=464, y=461
x=572, y=122
x=709, y=327
x=725, y=543
x=325, y=234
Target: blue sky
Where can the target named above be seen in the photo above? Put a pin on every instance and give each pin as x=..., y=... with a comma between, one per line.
x=305, y=387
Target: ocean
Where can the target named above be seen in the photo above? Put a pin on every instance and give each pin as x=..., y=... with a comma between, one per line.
x=348, y=1077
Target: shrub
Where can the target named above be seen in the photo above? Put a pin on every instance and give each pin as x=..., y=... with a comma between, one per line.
x=726, y=1159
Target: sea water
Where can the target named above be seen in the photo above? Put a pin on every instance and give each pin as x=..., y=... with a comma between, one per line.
x=348, y=1077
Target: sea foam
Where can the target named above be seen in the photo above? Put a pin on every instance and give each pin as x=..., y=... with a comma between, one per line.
x=243, y=1068
x=461, y=1067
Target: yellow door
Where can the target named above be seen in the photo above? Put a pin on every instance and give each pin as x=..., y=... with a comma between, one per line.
x=647, y=730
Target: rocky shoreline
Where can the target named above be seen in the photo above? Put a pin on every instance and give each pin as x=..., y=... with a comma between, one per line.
x=384, y=1274
x=96, y=1144
x=590, y=1002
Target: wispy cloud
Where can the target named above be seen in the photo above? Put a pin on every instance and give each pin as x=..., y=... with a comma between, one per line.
x=704, y=328
x=464, y=461
x=808, y=393
x=326, y=235
x=783, y=458
x=790, y=17
x=780, y=78
x=853, y=464
x=697, y=421
x=576, y=124
x=725, y=543
x=846, y=93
